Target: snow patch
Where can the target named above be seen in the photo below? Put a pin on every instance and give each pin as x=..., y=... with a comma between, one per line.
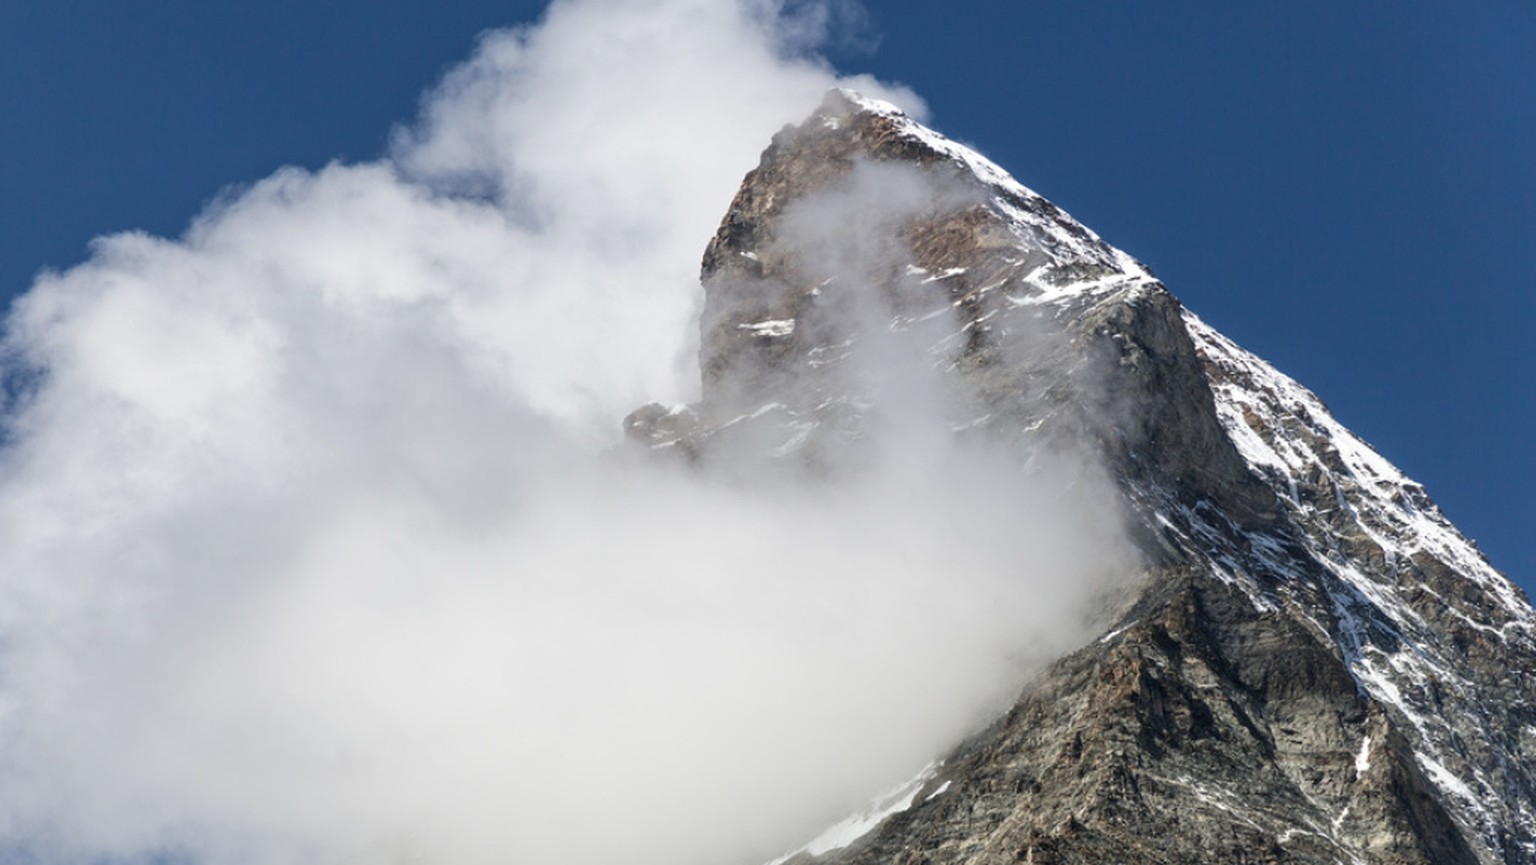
x=1444, y=778
x=773, y=328
x=845, y=832
x=1363, y=758
x=945, y=274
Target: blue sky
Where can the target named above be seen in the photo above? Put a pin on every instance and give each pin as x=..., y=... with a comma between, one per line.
x=1346, y=189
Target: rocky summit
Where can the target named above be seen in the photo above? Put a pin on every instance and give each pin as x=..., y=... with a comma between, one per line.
x=1311, y=664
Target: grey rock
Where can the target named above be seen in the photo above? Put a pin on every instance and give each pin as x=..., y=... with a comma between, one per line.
x=1313, y=666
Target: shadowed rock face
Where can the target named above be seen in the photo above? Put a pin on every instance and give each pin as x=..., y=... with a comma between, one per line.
x=1314, y=666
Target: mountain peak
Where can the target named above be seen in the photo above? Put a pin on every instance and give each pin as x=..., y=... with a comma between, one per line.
x=861, y=222
x=1313, y=665
x=843, y=106
x=845, y=100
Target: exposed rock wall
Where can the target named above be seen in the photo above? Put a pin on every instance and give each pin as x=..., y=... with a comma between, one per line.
x=1315, y=667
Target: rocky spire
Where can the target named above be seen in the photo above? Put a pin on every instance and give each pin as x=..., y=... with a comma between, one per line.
x=1314, y=665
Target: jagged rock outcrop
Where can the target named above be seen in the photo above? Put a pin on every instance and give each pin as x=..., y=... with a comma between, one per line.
x=1315, y=666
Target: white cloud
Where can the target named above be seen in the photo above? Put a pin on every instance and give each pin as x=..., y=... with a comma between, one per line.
x=314, y=549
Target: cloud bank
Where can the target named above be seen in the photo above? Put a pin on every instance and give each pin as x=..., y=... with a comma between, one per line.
x=314, y=545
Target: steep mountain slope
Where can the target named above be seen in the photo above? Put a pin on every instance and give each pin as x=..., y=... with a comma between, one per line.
x=1314, y=666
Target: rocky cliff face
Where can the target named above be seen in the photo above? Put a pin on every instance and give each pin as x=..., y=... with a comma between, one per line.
x=1314, y=665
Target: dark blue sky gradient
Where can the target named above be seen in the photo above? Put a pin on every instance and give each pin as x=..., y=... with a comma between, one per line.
x=1348, y=189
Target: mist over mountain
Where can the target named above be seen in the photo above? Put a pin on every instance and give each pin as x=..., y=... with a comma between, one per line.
x=434, y=509
x=319, y=544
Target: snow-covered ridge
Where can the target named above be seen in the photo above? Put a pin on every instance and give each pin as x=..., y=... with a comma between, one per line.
x=1027, y=209
x=982, y=167
x=1343, y=496
x=1258, y=406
